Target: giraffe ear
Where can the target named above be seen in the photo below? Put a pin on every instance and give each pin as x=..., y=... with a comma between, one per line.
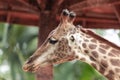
x=64, y=15
x=72, y=16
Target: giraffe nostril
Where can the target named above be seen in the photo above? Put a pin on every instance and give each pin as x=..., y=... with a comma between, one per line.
x=29, y=60
x=65, y=12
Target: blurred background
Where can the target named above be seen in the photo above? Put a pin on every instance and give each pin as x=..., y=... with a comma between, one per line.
x=17, y=43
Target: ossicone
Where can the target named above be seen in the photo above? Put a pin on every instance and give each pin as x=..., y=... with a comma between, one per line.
x=67, y=16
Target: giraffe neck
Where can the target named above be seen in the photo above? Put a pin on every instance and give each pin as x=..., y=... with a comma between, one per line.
x=101, y=56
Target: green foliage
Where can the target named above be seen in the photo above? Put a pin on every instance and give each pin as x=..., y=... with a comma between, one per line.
x=15, y=41
x=100, y=32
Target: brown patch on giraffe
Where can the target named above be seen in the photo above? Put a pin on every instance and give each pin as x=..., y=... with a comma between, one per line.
x=115, y=62
x=82, y=34
x=76, y=57
x=102, y=50
x=102, y=69
x=117, y=70
x=92, y=46
x=86, y=40
x=88, y=36
x=84, y=45
x=75, y=47
x=63, y=46
x=114, y=53
x=79, y=47
x=86, y=51
x=104, y=63
x=94, y=40
x=111, y=54
x=94, y=65
x=104, y=46
x=95, y=54
x=110, y=75
x=82, y=59
x=104, y=57
x=61, y=53
x=92, y=58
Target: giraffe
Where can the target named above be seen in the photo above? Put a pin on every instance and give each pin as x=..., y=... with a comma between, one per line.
x=68, y=42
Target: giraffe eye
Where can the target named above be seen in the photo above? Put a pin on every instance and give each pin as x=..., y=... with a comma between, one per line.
x=52, y=40
x=72, y=38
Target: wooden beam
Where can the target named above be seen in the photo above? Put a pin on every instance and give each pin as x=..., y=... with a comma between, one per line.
x=117, y=11
x=102, y=25
x=100, y=15
x=19, y=18
x=92, y=19
x=27, y=5
x=87, y=4
x=17, y=6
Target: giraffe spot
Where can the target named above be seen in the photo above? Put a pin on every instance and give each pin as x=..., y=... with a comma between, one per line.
x=93, y=40
x=110, y=75
x=75, y=47
x=88, y=36
x=54, y=60
x=82, y=34
x=86, y=40
x=115, y=62
x=95, y=54
x=79, y=47
x=100, y=42
x=104, y=57
x=102, y=50
x=61, y=55
x=114, y=53
x=73, y=52
x=76, y=57
x=84, y=45
x=92, y=46
x=82, y=59
x=94, y=65
x=86, y=51
x=111, y=72
x=92, y=58
x=104, y=63
x=102, y=69
x=117, y=70
x=104, y=46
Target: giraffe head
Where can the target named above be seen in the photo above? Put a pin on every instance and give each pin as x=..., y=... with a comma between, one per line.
x=57, y=48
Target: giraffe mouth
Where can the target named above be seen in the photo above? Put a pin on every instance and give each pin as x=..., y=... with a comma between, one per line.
x=34, y=67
